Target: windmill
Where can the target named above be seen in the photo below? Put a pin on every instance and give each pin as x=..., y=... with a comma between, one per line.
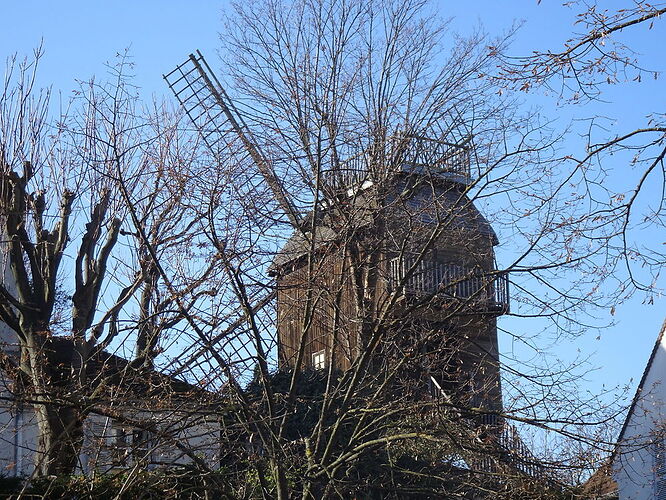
x=220, y=125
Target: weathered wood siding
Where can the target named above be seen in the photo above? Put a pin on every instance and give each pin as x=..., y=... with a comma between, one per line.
x=317, y=308
x=317, y=311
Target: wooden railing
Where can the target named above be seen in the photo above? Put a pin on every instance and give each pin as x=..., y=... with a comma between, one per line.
x=424, y=155
x=507, y=448
x=450, y=281
x=517, y=454
x=412, y=154
x=512, y=452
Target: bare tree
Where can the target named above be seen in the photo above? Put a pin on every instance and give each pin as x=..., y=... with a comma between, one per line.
x=598, y=57
x=332, y=271
x=99, y=207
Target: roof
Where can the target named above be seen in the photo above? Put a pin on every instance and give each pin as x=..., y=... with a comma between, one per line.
x=299, y=244
x=601, y=484
x=465, y=216
x=641, y=386
x=118, y=372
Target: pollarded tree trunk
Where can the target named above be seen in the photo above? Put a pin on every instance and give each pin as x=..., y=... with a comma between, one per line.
x=60, y=439
x=59, y=422
x=53, y=369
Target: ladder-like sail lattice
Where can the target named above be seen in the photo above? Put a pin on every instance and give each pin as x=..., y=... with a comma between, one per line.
x=205, y=102
x=219, y=123
x=220, y=126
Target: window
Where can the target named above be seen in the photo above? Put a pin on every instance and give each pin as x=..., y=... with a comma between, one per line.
x=118, y=443
x=126, y=444
x=143, y=440
x=319, y=360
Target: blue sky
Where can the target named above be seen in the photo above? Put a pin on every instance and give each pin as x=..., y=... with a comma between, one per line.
x=79, y=37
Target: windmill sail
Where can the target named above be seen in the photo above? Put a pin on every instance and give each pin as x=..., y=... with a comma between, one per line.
x=218, y=121
x=222, y=129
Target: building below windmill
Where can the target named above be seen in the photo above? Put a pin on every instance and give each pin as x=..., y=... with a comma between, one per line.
x=145, y=419
x=639, y=461
x=139, y=417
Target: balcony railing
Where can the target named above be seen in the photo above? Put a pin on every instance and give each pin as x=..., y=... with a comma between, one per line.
x=481, y=290
x=423, y=155
x=509, y=447
x=510, y=451
x=411, y=154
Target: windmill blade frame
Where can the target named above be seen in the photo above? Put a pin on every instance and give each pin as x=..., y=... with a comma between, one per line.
x=219, y=122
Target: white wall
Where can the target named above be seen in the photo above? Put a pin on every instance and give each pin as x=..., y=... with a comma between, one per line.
x=7, y=336
x=101, y=450
x=111, y=444
x=634, y=465
x=18, y=434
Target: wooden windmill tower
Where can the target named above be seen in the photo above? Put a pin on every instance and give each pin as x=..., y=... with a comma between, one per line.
x=428, y=272
x=396, y=243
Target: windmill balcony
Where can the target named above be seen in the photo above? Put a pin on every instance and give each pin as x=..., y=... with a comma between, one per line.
x=474, y=290
x=414, y=155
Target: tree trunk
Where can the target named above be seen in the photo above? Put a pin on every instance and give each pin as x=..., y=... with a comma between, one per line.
x=59, y=424
x=60, y=439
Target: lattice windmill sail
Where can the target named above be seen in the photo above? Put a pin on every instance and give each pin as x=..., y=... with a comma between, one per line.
x=219, y=122
x=222, y=128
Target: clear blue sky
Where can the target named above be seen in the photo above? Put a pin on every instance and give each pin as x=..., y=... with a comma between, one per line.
x=80, y=36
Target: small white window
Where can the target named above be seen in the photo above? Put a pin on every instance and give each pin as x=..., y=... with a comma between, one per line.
x=319, y=360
